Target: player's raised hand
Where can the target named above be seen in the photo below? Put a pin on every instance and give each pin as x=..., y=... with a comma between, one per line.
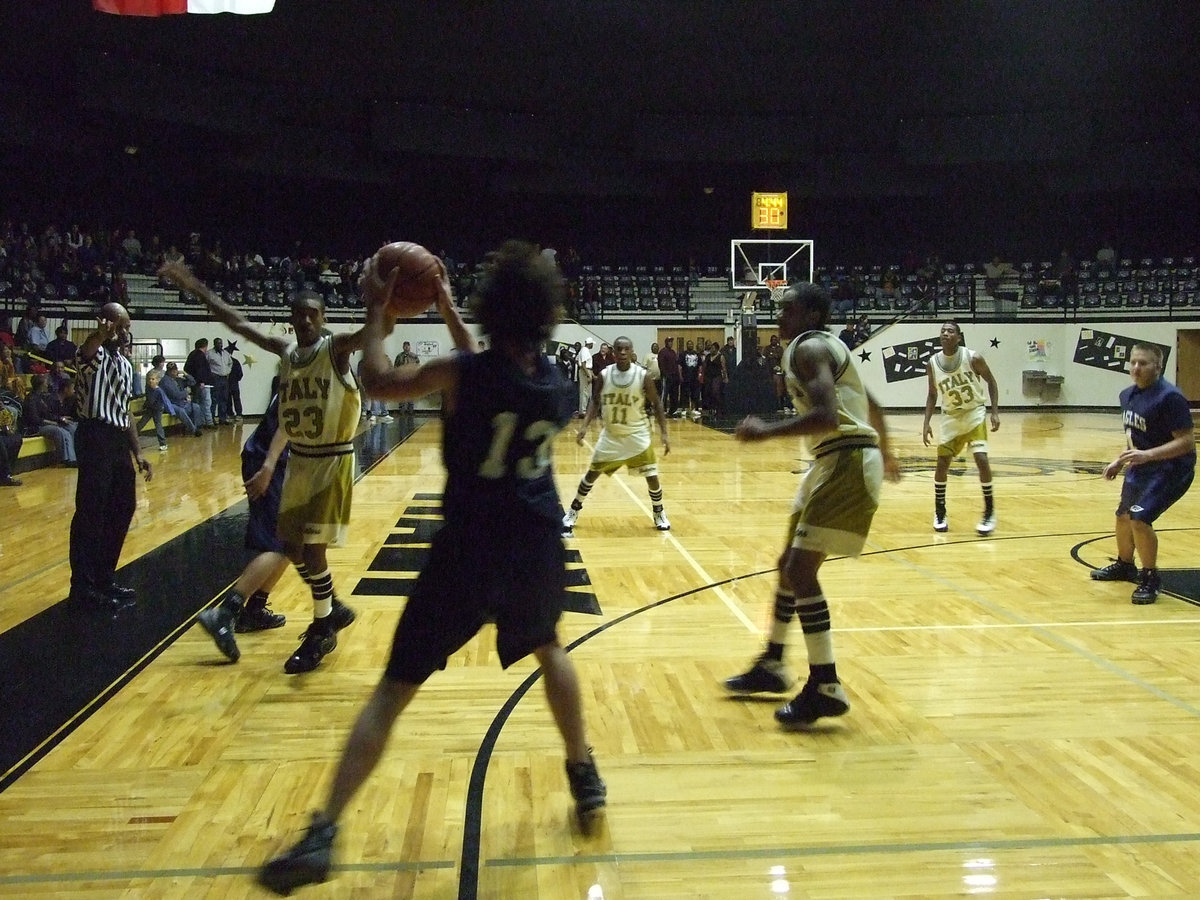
x=444, y=297
x=377, y=291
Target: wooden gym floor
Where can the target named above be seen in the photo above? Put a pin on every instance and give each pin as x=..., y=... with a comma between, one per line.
x=1016, y=729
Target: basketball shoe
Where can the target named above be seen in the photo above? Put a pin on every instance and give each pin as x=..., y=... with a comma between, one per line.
x=815, y=701
x=219, y=623
x=661, y=522
x=987, y=524
x=1117, y=570
x=317, y=642
x=766, y=676
x=259, y=617
x=570, y=517
x=940, y=522
x=587, y=789
x=308, y=862
x=341, y=615
x=1148, y=587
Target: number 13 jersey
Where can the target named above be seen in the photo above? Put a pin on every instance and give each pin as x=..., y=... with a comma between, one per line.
x=496, y=445
x=962, y=394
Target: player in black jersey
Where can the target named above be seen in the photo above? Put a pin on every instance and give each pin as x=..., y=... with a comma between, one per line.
x=499, y=557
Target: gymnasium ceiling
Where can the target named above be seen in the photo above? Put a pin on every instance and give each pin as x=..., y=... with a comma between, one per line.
x=579, y=97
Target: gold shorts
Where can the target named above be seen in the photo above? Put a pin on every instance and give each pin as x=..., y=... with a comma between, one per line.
x=976, y=439
x=836, y=502
x=315, y=506
x=644, y=464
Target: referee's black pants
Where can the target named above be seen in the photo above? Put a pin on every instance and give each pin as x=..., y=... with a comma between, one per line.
x=105, y=498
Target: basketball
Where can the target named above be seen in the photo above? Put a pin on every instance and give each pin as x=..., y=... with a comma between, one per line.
x=416, y=285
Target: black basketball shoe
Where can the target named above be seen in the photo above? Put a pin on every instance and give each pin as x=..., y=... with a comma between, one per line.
x=306, y=863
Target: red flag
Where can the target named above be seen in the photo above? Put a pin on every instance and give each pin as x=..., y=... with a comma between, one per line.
x=177, y=7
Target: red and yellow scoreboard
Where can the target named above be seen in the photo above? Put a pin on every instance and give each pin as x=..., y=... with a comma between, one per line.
x=768, y=210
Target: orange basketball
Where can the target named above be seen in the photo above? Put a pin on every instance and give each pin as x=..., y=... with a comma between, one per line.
x=416, y=285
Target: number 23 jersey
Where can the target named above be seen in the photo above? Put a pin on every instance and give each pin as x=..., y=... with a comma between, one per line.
x=318, y=405
x=496, y=446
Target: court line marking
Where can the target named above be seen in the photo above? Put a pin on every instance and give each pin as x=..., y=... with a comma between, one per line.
x=850, y=850
x=214, y=872
x=729, y=602
x=1053, y=638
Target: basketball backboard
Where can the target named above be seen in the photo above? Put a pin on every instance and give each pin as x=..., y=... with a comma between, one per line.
x=755, y=261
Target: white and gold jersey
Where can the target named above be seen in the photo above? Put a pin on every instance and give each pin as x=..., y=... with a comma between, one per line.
x=962, y=393
x=626, y=429
x=318, y=405
x=853, y=427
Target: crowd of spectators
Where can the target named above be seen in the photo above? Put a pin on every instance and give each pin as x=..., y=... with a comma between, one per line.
x=42, y=268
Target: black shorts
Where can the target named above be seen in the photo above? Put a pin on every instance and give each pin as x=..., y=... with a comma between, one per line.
x=261, y=526
x=513, y=574
x=1146, y=497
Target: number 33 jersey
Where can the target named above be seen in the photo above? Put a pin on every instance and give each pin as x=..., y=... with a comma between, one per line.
x=496, y=445
x=962, y=394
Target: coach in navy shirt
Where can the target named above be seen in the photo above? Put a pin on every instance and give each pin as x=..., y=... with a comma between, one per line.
x=1159, y=464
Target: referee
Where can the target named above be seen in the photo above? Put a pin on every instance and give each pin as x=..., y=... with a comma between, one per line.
x=107, y=447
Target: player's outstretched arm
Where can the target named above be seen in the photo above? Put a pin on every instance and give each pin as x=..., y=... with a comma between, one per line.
x=183, y=278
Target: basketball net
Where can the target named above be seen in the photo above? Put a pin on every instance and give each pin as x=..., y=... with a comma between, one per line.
x=777, y=287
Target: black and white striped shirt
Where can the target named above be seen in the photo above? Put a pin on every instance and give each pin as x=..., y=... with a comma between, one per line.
x=104, y=385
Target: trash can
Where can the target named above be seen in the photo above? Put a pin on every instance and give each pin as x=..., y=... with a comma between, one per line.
x=1052, y=387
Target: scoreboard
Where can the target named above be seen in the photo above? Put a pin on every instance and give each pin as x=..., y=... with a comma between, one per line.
x=768, y=210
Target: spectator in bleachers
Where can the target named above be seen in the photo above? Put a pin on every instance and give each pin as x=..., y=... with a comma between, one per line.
x=132, y=248
x=849, y=336
x=26, y=324
x=10, y=379
x=1106, y=256
x=155, y=406
x=62, y=348
x=177, y=388
x=88, y=255
x=10, y=446
x=7, y=338
x=42, y=414
x=996, y=273
x=58, y=375
x=68, y=401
